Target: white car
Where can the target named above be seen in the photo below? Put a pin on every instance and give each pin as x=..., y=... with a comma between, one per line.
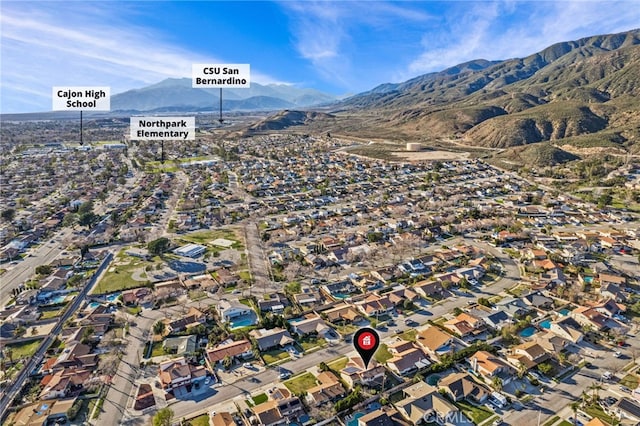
x=617, y=354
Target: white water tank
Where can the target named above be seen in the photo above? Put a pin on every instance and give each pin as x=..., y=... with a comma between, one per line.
x=413, y=146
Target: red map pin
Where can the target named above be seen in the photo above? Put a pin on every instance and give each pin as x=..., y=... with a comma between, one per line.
x=366, y=342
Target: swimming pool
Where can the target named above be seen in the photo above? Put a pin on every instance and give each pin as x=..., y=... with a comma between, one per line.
x=545, y=324
x=564, y=312
x=91, y=306
x=113, y=297
x=588, y=280
x=58, y=299
x=354, y=420
x=527, y=332
x=242, y=322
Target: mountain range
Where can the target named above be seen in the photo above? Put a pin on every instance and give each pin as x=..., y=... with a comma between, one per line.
x=176, y=94
x=572, y=96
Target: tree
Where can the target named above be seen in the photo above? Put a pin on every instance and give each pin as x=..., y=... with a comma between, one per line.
x=43, y=269
x=84, y=250
x=88, y=219
x=85, y=208
x=158, y=328
x=163, y=417
x=158, y=246
x=545, y=368
x=227, y=361
x=497, y=383
x=8, y=214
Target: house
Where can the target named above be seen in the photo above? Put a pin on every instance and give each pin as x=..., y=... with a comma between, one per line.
x=610, y=308
x=613, y=291
x=423, y=403
x=538, y=301
x=226, y=278
x=590, y=317
x=328, y=391
x=512, y=307
x=180, y=345
x=280, y=409
x=465, y=324
x=222, y=419
x=568, y=329
x=240, y=349
x=355, y=372
x=342, y=313
x=435, y=342
x=204, y=282
x=177, y=373
x=310, y=324
x=229, y=310
x=490, y=366
x=171, y=288
x=385, y=416
x=193, y=318
x=408, y=361
x=611, y=279
x=626, y=409
x=374, y=305
x=461, y=386
x=528, y=354
x=137, y=296
x=44, y=412
x=430, y=289
x=275, y=303
x=497, y=320
x=270, y=339
x=400, y=294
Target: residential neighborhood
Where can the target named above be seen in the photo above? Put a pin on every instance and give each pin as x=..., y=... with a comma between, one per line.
x=224, y=287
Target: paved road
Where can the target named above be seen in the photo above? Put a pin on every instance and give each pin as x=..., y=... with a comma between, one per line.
x=33, y=362
x=268, y=378
x=25, y=269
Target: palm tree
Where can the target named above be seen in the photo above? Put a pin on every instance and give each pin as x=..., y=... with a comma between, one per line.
x=574, y=407
x=158, y=328
x=497, y=383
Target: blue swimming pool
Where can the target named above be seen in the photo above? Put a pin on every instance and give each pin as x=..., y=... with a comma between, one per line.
x=527, y=332
x=58, y=299
x=354, y=420
x=588, y=280
x=564, y=312
x=242, y=322
x=545, y=324
x=113, y=297
x=92, y=305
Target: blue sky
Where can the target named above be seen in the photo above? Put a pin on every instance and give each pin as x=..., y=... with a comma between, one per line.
x=337, y=47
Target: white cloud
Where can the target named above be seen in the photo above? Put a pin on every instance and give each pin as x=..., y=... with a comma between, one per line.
x=50, y=44
x=503, y=30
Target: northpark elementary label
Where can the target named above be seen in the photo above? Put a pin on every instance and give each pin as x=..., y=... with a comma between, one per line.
x=221, y=76
x=163, y=128
x=79, y=98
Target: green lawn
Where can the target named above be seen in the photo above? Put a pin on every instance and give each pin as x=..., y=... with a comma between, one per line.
x=202, y=420
x=309, y=343
x=26, y=349
x=339, y=363
x=551, y=421
x=157, y=349
x=118, y=276
x=346, y=329
x=565, y=423
x=259, y=399
x=597, y=411
x=630, y=381
x=206, y=237
x=300, y=384
x=476, y=414
x=409, y=335
x=53, y=313
x=245, y=276
x=271, y=357
x=382, y=354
